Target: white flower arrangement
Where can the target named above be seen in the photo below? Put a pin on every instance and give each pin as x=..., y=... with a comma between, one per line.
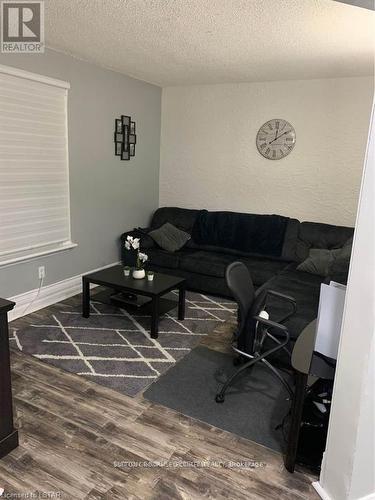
x=132, y=243
x=143, y=257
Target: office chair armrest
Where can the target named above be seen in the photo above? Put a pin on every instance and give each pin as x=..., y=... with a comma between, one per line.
x=270, y=323
x=278, y=326
x=282, y=296
x=287, y=298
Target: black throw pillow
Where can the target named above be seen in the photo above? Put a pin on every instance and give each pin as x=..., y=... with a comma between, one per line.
x=169, y=237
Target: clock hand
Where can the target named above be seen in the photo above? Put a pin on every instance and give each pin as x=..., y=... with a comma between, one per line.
x=286, y=132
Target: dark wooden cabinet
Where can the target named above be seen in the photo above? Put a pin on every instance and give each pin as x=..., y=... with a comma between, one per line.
x=8, y=435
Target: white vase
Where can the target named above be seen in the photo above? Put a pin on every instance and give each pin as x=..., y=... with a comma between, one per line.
x=139, y=274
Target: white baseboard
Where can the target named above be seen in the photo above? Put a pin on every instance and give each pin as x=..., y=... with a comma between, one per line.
x=49, y=294
x=324, y=495
x=321, y=492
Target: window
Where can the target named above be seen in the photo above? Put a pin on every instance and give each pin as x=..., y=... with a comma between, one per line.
x=34, y=175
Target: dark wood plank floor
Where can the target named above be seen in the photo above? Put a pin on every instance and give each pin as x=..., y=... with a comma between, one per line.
x=72, y=431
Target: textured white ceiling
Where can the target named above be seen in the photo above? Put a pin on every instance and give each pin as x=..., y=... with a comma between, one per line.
x=181, y=42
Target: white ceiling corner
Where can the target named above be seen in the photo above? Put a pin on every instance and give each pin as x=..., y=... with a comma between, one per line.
x=184, y=42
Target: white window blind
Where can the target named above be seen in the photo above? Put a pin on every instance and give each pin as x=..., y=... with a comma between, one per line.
x=34, y=176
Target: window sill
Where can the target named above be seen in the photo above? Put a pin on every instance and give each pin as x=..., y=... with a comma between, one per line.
x=34, y=255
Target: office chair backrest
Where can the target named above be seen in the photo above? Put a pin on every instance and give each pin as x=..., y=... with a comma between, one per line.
x=241, y=285
x=250, y=304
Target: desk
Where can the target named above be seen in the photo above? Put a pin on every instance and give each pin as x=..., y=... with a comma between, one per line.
x=8, y=435
x=308, y=367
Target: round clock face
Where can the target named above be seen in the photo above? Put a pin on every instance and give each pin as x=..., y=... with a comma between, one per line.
x=276, y=139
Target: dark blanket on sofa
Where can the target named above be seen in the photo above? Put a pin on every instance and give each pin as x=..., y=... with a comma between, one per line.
x=259, y=234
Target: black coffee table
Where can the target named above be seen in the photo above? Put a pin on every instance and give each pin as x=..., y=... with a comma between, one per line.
x=113, y=277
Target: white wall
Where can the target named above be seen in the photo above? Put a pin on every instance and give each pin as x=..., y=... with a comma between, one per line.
x=348, y=468
x=209, y=157
x=363, y=476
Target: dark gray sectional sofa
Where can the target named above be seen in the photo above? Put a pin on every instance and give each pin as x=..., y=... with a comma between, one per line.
x=203, y=265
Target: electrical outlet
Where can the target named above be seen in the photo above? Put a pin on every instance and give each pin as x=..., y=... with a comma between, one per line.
x=41, y=272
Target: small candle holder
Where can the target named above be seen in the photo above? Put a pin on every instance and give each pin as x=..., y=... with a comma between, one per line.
x=150, y=275
x=127, y=271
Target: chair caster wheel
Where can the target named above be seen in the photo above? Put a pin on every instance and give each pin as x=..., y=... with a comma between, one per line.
x=219, y=398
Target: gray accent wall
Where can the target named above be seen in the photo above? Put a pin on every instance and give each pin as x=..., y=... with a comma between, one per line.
x=108, y=196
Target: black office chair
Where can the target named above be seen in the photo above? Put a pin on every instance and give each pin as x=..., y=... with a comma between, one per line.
x=253, y=329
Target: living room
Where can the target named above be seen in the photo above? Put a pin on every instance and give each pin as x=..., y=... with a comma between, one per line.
x=214, y=133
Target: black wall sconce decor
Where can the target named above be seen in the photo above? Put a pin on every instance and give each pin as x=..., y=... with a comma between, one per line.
x=125, y=138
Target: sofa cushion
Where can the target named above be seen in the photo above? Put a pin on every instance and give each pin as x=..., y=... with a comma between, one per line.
x=215, y=264
x=305, y=288
x=159, y=257
x=261, y=270
x=169, y=237
x=208, y=263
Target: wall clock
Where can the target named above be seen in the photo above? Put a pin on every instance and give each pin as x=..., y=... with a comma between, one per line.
x=276, y=139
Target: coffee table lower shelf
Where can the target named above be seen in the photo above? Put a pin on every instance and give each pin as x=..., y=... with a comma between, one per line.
x=130, y=293
x=141, y=305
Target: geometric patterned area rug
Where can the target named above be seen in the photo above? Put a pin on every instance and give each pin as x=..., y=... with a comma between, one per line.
x=113, y=347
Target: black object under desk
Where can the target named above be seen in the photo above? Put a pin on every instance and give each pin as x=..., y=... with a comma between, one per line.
x=308, y=367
